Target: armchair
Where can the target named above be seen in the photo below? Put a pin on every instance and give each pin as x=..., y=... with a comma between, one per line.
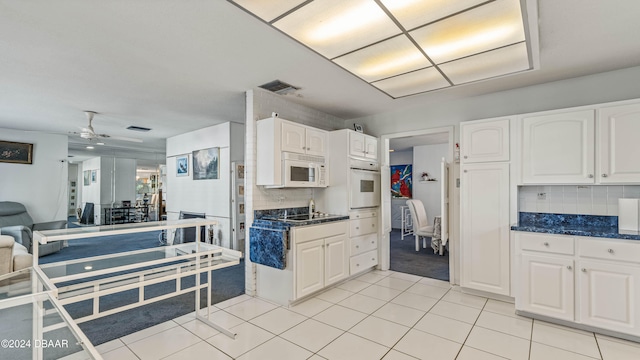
x=16, y=222
x=13, y=256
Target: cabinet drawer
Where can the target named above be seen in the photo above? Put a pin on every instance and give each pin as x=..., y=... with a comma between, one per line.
x=363, y=261
x=363, y=214
x=609, y=249
x=363, y=226
x=313, y=232
x=546, y=243
x=363, y=244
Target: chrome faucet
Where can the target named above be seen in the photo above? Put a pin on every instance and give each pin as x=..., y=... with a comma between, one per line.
x=312, y=207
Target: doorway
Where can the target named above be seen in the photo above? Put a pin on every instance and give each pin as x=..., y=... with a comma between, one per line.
x=415, y=166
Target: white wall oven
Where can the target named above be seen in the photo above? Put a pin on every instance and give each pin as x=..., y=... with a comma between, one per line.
x=365, y=184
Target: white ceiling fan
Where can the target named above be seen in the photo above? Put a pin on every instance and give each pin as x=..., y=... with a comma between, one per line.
x=90, y=134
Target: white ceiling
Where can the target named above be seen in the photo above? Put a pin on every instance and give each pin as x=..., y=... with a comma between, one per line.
x=177, y=66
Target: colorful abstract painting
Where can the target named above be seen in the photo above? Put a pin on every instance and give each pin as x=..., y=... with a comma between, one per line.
x=401, y=182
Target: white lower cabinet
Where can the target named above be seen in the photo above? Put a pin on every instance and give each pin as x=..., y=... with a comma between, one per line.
x=363, y=240
x=546, y=286
x=321, y=256
x=597, y=285
x=609, y=296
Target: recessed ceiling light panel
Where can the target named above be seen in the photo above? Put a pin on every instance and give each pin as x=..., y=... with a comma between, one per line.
x=268, y=10
x=490, y=64
x=484, y=28
x=335, y=27
x=414, y=13
x=385, y=59
x=412, y=83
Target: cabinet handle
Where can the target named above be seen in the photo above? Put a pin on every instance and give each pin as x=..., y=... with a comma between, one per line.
x=604, y=175
x=357, y=228
x=373, y=242
x=465, y=171
x=373, y=259
x=568, y=267
x=373, y=225
x=590, y=176
x=466, y=157
x=583, y=270
x=610, y=251
x=357, y=246
x=357, y=264
x=546, y=243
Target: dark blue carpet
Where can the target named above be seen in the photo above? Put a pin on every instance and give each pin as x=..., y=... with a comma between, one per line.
x=405, y=258
x=227, y=283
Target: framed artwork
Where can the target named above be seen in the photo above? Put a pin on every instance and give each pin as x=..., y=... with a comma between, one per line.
x=241, y=208
x=206, y=164
x=240, y=171
x=87, y=177
x=15, y=152
x=182, y=166
x=94, y=176
x=241, y=228
x=73, y=183
x=401, y=181
x=240, y=190
x=358, y=128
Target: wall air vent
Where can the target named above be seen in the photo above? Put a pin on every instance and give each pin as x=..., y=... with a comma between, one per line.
x=279, y=87
x=138, y=128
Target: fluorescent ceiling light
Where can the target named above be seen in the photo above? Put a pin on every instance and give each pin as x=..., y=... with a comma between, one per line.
x=335, y=27
x=405, y=47
x=490, y=64
x=412, y=83
x=90, y=147
x=385, y=59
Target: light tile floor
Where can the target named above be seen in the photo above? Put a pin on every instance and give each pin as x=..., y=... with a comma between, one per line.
x=380, y=315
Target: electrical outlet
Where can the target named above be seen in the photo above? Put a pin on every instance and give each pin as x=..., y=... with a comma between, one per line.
x=542, y=196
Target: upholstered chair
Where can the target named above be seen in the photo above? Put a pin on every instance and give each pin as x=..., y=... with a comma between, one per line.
x=16, y=222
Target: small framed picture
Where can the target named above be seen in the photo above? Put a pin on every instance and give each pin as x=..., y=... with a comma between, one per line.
x=182, y=166
x=240, y=190
x=241, y=208
x=86, y=177
x=240, y=171
x=357, y=127
x=94, y=176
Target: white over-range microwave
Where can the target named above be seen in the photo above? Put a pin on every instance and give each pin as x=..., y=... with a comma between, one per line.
x=299, y=170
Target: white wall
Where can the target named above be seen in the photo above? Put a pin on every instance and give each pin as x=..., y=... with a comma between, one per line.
x=399, y=158
x=41, y=186
x=259, y=105
x=212, y=196
x=427, y=158
x=592, y=89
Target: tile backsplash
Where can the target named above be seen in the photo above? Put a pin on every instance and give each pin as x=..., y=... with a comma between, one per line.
x=575, y=199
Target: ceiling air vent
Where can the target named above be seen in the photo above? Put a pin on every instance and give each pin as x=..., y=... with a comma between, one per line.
x=138, y=128
x=279, y=87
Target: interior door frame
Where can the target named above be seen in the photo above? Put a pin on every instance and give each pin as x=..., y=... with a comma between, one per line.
x=385, y=201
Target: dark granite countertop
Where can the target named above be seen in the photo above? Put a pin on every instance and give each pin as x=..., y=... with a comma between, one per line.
x=280, y=223
x=576, y=225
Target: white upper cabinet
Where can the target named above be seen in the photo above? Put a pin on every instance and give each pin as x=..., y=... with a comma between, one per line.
x=619, y=144
x=485, y=141
x=303, y=139
x=558, y=148
x=293, y=138
x=363, y=146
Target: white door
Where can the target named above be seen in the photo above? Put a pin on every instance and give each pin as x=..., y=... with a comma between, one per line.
x=444, y=202
x=558, y=148
x=293, y=138
x=371, y=147
x=610, y=296
x=484, y=141
x=336, y=261
x=484, y=238
x=309, y=267
x=619, y=145
x=546, y=286
x=356, y=144
x=316, y=140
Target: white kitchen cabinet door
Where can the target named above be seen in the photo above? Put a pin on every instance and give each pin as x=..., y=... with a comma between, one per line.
x=370, y=147
x=309, y=267
x=559, y=148
x=619, y=145
x=336, y=261
x=610, y=296
x=316, y=141
x=546, y=286
x=484, y=141
x=293, y=138
x=485, y=227
x=356, y=144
